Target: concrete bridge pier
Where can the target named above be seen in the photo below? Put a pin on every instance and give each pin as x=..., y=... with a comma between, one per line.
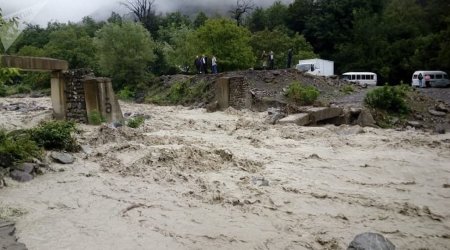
x=58, y=95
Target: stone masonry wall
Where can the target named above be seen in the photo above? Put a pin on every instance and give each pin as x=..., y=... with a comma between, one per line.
x=75, y=95
x=239, y=93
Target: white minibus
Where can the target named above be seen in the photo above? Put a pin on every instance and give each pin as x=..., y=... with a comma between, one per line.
x=437, y=78
x=361, y=78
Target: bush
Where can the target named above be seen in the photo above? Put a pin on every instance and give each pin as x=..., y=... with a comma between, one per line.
x=305, y=95
x=55, y=135
x=178, y=92
x=388, y=98
x=126, y=94
x=95, y=118
x=3, y=90
x=136, y=122
x=17, y=147
x=347, y=89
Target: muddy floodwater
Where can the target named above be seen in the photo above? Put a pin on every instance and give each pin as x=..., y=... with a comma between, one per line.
x=188, y=179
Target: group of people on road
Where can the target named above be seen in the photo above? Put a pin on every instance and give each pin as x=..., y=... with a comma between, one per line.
x=422, y=83
x=268, y=62
x=201, y=64
x=268, y=59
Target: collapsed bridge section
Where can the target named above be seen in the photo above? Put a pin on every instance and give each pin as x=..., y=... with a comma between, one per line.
x=74, y=93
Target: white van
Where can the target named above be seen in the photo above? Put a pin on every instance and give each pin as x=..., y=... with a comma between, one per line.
x=361, y=78
x=437, y=78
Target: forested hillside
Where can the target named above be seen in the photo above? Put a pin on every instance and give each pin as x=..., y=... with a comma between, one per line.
x=390, y=37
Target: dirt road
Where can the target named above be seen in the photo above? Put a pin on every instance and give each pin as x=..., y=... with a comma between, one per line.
x=189, y=179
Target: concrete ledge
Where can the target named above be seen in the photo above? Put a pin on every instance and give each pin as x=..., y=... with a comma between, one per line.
x=34, y=63
x=300, y=119
x=323, y=113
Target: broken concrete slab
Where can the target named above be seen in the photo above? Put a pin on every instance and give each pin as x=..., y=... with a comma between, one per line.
x=365, y=119
x=436, y=113
x=323, y=113
x=300, y=119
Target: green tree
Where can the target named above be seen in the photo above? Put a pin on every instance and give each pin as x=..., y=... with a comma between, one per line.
x=175, y=19
x=200, y=19
x=280, y=42
x=91, y=26
x=182, y=48
x=277, y=15
x=72, y=43
x=125, y=52
x=257, y=20
x=115, y=18
x=299, y=13
x=228, y=42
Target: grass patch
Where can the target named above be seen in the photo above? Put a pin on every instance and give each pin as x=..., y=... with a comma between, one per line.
x=392, y=99
x=304, y=95
x=135, y=122
x=347, y=89
x=95, y=118
x=126, y=94
x=179, y=93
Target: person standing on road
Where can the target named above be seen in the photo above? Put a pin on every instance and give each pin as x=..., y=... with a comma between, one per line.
x=420, y=77
x=264, y=59
x=289, y=59
x=271, y=60
x=427, y=81
x=198, y=65
x=214, y=64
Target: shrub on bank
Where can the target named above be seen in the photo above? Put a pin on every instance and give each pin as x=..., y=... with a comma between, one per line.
x=17, y=147
x=55, y=135
x=95, y=118
x=136, y=122
x=389, y=98
x=304, y=95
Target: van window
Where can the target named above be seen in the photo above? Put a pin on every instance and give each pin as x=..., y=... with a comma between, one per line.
x=431, y=76
x=369, y=77
x=358, y=77
x=438, y=76
x=414, y=76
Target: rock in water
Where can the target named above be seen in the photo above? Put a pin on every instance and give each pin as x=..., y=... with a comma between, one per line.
x=365, y=119
x=63, y=158
x=370, y=241
x=21, y=176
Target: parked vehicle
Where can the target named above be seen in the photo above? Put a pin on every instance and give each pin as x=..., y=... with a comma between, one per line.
x=361, y=78
x=437, y=78
x=318, y=67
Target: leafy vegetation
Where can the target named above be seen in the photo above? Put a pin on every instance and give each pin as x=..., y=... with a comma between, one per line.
x=17, y=147
x=304, y=95
x=389, y=98
x=347, y=89
x=95, y=118
x=55, y=135
x=135, y=122
x=124, y=52
x=126, y=94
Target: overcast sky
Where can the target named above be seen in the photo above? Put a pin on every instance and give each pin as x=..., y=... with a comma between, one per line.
x=43, y=11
